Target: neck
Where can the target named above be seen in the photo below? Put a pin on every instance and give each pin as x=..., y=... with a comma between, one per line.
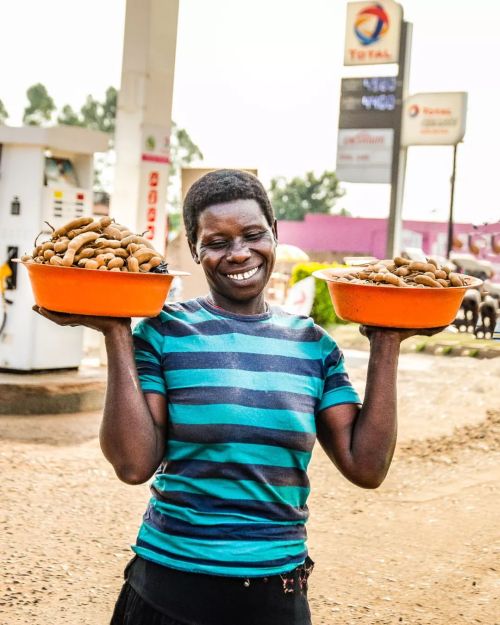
x=255, y=306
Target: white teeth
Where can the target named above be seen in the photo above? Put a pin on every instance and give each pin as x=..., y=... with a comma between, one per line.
x=243, y=276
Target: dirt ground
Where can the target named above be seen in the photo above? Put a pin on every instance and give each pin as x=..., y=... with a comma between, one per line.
x=422, y=549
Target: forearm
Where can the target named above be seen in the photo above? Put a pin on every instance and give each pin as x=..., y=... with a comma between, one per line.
x=374, y=431
x=129, y=437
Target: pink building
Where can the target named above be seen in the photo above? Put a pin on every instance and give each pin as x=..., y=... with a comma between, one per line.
x=331, y=236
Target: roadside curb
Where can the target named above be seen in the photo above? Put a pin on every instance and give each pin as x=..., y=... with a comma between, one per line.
x=60, y=392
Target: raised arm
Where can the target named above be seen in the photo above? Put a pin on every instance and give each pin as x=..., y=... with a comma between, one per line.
x=360, y=441
x=134, y=425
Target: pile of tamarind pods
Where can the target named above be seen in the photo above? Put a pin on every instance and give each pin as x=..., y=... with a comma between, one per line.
x=100, y=244
x=402, y=272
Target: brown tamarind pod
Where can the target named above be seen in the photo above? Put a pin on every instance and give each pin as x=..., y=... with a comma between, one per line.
x=402, y=271
x=48, y=254
x=86, y=252
x=61, y=245
x=132, y=247
x=417, y=265
x=136, y=238
x=115, y=269
x=444, y=283
x=69, y=257
x=145, y=267
x=400, y=261
x=81, y=222
x=48, y=245
x=387, y=278
x=155, y=261
x=27, y=258
x=91, y=264
x=428, y=281
x=113, y=231
x=116, y=263
x=132, y=264
x=144, y=254
x=74, y=233
x=102, y=268
x=97, y=226
x=56, y=260
x=82, y=239
x=439, y=273
x=455, y=279
x=36, y=251
x=103, y=242
x=81, y=262
x=431, y=274
x=434, y=262
x=120, y=252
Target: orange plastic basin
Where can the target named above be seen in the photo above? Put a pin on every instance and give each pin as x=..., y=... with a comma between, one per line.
x=103, y=293
x=393, y=307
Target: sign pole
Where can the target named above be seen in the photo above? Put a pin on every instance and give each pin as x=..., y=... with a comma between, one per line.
x=394, y=223
x=452, y=197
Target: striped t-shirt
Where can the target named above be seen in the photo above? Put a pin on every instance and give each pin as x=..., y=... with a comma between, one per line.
x=243, y=392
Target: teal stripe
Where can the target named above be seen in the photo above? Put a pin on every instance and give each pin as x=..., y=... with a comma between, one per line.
x=341, y=395
x=232, y=571
x=224, y=550
x=243, y=415
x=244, y=453
x=252, y=380
x=192, y=318
x=198, y=518
x=152, y=385
x=149, y=334
x=291, y=322
x=231, y=342
x=234, y=489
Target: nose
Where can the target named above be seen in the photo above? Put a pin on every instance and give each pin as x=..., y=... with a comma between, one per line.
x=238, y=252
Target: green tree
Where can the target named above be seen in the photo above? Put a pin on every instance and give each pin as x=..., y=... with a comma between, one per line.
x=93, y=114
x=293, y=199
x=40, y=107
x=3, y=113
x=101, y=115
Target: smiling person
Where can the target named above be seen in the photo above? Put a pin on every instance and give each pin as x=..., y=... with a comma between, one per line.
x=221, y=399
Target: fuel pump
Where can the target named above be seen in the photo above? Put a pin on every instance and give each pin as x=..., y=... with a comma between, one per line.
x=46, y=175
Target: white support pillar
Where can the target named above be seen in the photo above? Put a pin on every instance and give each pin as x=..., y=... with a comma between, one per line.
x=144, y=117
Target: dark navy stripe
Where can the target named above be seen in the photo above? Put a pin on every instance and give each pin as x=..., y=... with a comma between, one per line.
x=336, y=380
x=263, y=474
x=227, y=433
x=264, y=509
x=223, y=531
x=214, y=327
x=333, y=359
x=144, y=346
x=243, y=361
x=277, y=400
x=298, y=559
x=145, y=368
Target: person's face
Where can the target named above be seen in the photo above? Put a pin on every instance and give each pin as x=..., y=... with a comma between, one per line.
x=236, y=249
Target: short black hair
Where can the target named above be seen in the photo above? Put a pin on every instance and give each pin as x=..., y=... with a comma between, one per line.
x=219, y=186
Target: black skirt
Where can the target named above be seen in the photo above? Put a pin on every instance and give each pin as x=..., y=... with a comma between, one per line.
x=157, y=595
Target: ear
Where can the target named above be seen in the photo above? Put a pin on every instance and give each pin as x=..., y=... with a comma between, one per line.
x=275, y=230
x=194, y=253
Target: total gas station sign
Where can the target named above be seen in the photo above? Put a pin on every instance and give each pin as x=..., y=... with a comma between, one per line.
x=434, y=118
x=372, y=32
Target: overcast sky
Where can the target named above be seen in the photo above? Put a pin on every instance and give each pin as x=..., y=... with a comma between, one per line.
x=257, y=84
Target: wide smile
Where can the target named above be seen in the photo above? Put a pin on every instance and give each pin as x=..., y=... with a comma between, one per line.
x=243, y=276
